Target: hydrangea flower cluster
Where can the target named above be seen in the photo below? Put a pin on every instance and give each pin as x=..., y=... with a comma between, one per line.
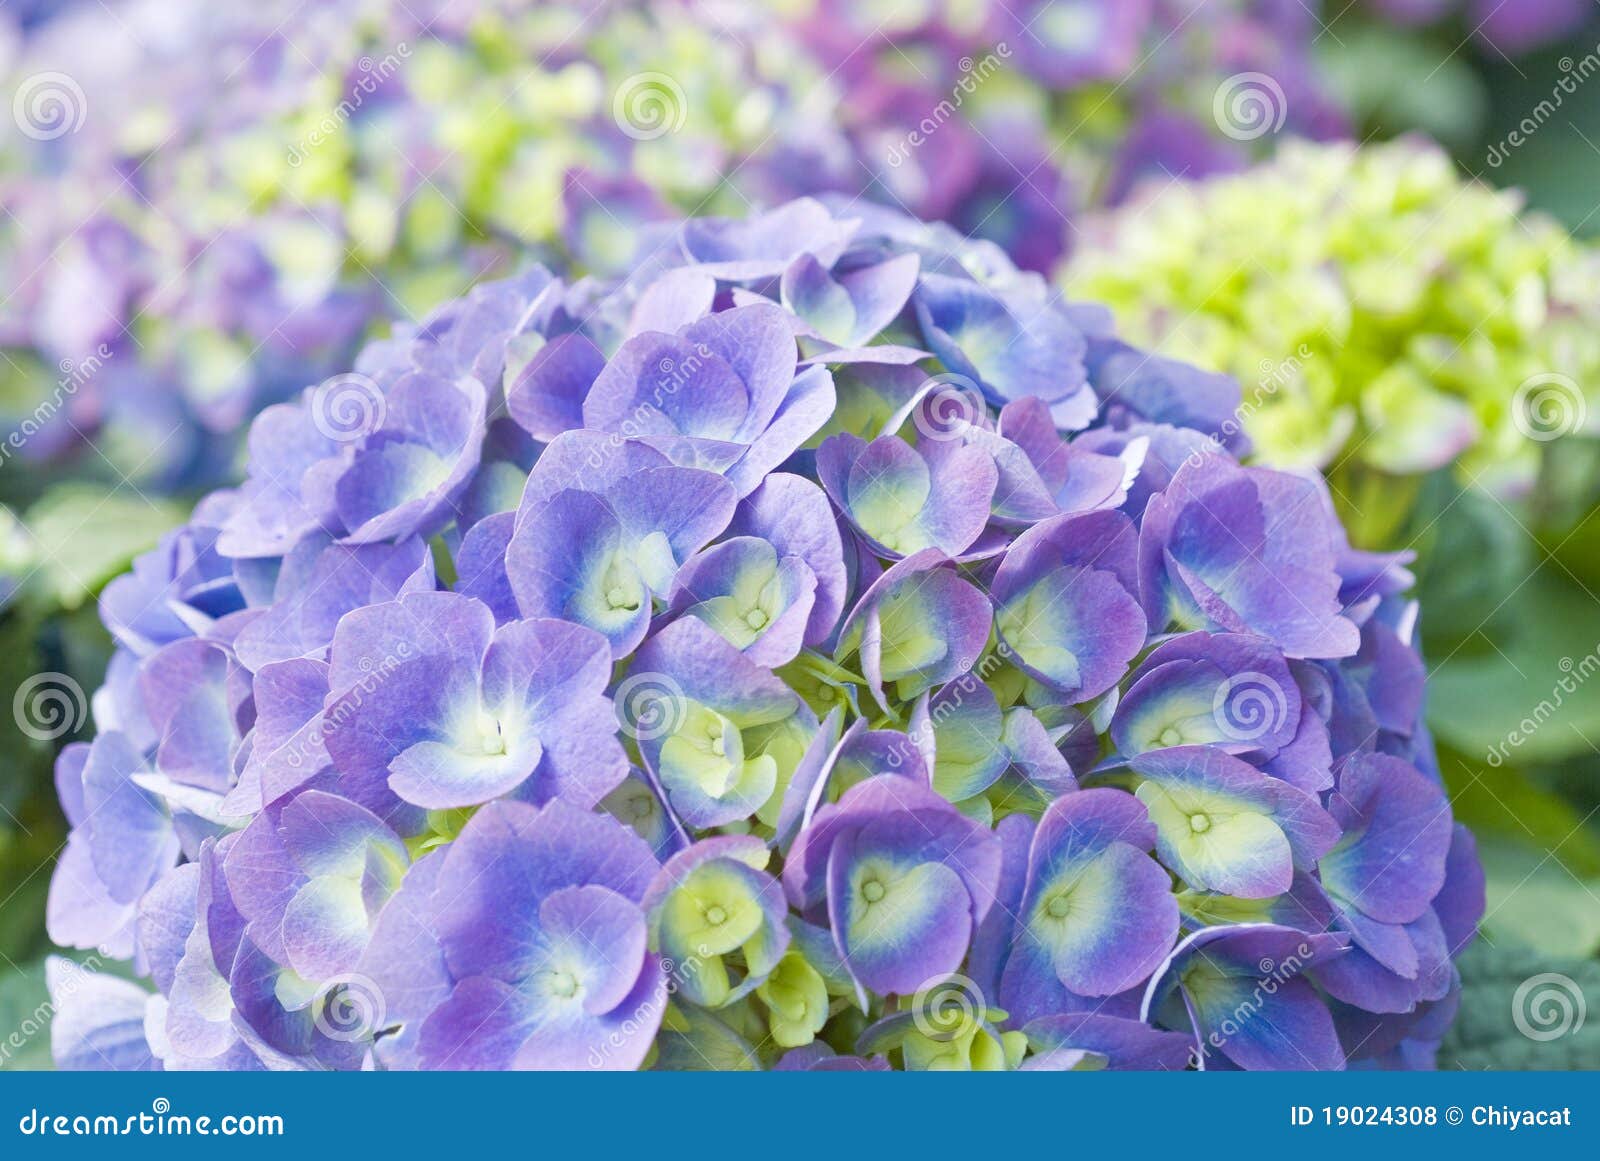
x=824, y=648
x=1005, y=118
x=1391, y=317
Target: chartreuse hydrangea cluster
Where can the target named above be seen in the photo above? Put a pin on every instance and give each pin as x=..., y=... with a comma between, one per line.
x=1388, y=317
x=824, y=648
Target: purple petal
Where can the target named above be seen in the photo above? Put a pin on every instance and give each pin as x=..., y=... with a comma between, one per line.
x=1397, y=835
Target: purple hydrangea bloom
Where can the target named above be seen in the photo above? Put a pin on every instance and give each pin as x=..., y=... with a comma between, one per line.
x=865, y=694
x=900, y=877
x=573, y=981
x=1096, y=913
x=964, y=112
x=1248, y=992
x=1242, y=549
x=467, y=712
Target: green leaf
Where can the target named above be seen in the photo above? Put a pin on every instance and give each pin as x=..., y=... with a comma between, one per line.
x=86, y=534
x=27, y=879
x=24, y=1019
x=1534, y=899
x=1472, y=556
x=1555, y=165
x=1535, y=697
x=1519, y=1010
x=1506, y=805
x=1398, y=84
x=30, y=822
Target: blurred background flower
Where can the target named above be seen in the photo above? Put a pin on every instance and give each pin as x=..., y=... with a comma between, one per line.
x=277, y=185
x=1379, y=306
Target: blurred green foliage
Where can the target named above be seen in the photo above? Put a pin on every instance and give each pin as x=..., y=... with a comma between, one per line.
x=1504, y=986
x=1471, y=99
